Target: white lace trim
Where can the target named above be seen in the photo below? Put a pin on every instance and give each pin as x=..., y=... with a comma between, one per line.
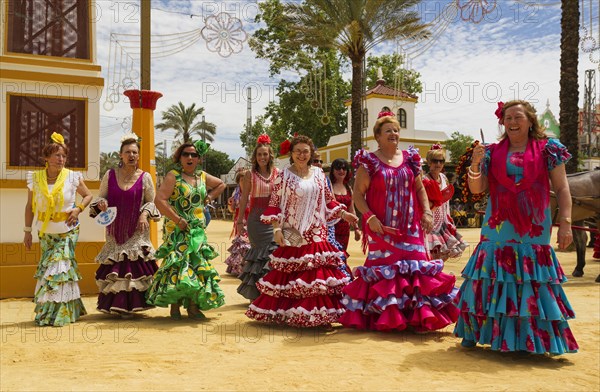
x=57, y=267
x=112, y=252
x=330, y=282
x=66, y=292
x=116, y=286
x=323, y=311
x=309, y=256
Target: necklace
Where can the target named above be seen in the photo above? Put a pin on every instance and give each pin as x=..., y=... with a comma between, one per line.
x=389, y=160
x=194, y=176
x=51, y=178
x=124, y=179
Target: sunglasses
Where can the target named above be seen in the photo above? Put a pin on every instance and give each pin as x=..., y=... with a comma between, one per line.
x=190, y=154
x=317, y=161
x=340, y=168
x=438, y=161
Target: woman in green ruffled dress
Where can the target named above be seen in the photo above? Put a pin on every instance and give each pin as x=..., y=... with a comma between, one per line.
x=186, y=276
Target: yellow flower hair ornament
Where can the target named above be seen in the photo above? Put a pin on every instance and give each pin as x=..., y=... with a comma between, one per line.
x=57, y=138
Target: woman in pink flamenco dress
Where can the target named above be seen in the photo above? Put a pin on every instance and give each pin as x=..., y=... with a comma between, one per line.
x=399, y=286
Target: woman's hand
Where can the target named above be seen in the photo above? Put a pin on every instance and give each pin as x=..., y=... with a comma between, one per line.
x=375, y=225
x=427, y=222
x=73, y=217
x=356, y=234
x=278, y=237
x=478, y=152
x=143, y=224
x=348, y=217
x=565, y=236
x=102, y=206
x=182, y=224
x=27, y=240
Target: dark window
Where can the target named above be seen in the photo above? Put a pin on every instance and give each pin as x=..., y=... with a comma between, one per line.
x=32, y=121
x=49, y=27
x=402, y=118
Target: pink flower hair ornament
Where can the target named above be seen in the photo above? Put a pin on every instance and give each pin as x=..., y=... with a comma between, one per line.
x=385, y=113
x=436, y=146
x=500, y=113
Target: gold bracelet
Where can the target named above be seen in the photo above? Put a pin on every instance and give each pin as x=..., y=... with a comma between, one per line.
x=80, y=206
x=27, y=229
x=276, y=229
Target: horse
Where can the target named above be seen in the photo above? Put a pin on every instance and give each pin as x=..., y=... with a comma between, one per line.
x=585, y=194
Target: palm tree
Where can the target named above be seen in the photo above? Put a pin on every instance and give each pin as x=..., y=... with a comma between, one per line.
x=353, y=27
x=108, y=160
x=186, y=123
x=569, y=86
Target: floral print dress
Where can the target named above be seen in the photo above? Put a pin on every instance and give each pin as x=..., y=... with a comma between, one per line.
x=512, y=298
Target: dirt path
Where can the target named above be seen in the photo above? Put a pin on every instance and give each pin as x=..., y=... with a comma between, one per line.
x=229, y=352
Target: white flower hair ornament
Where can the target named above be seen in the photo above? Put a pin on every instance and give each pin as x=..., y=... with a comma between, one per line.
x=130, y=136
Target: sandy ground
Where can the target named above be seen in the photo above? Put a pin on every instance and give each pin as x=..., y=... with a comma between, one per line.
x=229, y=352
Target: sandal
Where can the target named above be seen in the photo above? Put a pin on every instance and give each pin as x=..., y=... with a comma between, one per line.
x=175, y=312
x=194, y=312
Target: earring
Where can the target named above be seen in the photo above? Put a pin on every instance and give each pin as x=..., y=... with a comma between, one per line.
x=120, y=163
x=46, y=164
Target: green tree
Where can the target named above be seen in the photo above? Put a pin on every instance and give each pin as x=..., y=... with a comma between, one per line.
x=187, y=123
x=569, y=85
x=108, y=160
x=457, y=145
x=394, y=75
x=350, y=27
x=217, y=162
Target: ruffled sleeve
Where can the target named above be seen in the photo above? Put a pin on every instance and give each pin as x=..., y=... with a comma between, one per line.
x=367, y=160
x=29, y=179
x=434, y=194
x=94, y=210
x=414, y=160
x=273, y=212
x=333, y=208
x=75, y=178
x=556, y=153
x=148, y=202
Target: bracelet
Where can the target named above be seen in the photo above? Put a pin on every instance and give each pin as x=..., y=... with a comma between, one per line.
x=428, y=212
x=471, y=171
x=371, y=217
x=27, y=229
x=276, y=229
x=342, y=214
x=81, y=207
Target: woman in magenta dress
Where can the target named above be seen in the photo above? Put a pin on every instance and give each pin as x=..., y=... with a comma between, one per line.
x=127, y=263
x=399, y=286
x=512, y=298
x=304, y=286
x=340, y=177
x=443, y=242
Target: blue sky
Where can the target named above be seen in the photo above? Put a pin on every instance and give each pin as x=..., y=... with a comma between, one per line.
x=513, y=52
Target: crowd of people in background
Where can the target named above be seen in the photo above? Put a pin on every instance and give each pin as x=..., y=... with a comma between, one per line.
x=292, y=229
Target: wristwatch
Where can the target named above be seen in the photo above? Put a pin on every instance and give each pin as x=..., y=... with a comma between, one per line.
x=566, y=219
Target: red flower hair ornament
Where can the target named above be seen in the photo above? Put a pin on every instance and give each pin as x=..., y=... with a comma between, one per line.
x=498, y=112
x=385, y=113
x=284, y=147
x=263, y=139
x=436, y=146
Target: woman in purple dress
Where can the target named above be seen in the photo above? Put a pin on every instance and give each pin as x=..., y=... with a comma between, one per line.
x=127, y=262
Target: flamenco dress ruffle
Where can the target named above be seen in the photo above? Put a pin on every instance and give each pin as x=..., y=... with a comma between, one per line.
x=400, y=289
x=186, y=274
x=124, y=275
x=512, y=300
x=303, y=288
x=57, y=295
x=237, y=252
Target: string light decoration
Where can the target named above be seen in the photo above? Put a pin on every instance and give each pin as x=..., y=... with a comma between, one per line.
x=475, y=10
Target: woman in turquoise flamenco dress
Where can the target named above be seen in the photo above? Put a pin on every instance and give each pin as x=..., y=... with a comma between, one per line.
x=186, y=276
x=512, y=297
